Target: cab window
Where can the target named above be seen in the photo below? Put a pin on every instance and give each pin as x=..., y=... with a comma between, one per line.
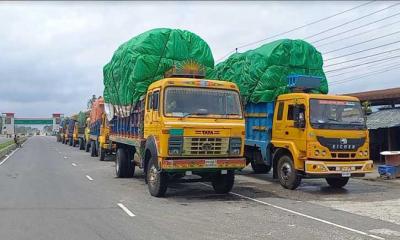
x=290, y=113
x=149, y=101
x=156, y=95
x=280, y=111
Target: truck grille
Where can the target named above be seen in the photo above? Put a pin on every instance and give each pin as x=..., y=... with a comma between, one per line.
x=201, y=146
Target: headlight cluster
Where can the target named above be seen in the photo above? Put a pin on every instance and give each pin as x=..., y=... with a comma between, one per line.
x=235, y=145
x=175, y=145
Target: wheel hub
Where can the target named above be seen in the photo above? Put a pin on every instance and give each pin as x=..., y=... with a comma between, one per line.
x=286, y=171
x=153, y=175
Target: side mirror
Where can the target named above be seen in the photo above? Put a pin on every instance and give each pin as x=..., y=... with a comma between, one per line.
x=299, y=117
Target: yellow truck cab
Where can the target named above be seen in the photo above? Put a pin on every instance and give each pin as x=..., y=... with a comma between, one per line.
x=309, y=135
x=182, y=127
x=99, y=138
x=87, y=135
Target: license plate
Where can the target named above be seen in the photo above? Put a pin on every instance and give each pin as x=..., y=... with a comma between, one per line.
x=210, y=163
x=346, y=174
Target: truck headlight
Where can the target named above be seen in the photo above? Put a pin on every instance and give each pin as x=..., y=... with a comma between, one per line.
x=175, y=145
x=235, y=145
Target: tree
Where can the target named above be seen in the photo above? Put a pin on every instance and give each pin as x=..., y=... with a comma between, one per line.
x=91, y=101
x=367, y=107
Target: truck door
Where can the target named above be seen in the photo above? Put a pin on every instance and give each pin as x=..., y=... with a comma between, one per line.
x=291, y=132
x=152, y=114
x=278, y=121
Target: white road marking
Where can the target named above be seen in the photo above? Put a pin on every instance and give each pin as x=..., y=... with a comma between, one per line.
x=88, y=177
x=12, y=153
x=74, y=164
x=126, y=210
x=65, y=157
x=8, y=156
x=304, y=215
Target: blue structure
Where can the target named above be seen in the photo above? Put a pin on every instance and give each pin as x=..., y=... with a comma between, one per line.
x=259, y=117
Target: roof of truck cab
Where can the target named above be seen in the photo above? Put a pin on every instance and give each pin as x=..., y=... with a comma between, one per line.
x=191, y=82
x=316, y=96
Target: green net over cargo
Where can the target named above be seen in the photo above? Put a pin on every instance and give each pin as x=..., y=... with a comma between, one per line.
x=145, y=58
x=261, y=73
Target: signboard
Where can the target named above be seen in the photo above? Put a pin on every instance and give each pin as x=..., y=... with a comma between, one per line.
x=33, y=121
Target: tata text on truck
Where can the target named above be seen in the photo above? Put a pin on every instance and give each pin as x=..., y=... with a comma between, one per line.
x=303, y=135
x=182, y=127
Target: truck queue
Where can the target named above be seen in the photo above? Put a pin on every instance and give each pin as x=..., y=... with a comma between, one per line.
x=187, y=126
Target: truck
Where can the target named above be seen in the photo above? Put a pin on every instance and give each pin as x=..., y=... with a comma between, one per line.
x=63, y=130
x=182, y=130
x=69, y=131
x=306, y=135
x=79, y=137
x=100, y=145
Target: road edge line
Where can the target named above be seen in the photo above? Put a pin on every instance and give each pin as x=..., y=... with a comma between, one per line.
x=304, y=215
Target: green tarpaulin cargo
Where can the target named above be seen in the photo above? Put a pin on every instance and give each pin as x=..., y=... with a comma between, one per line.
x=144, y=59
x=261, y=73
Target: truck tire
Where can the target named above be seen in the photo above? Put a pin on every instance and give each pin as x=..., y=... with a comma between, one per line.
x=123, y=166
x=81, y=144
x=87, y=146
x=260, y=168
x=157, y=181
x=223, y=183
x=101, y=153
x=337, y=182
x=287, y=174
x=93, y=152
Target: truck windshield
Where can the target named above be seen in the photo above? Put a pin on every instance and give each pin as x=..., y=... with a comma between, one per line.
x=201, y=102
x=334, y=114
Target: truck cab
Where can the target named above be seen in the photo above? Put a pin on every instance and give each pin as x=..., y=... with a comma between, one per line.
x=310, y=136
x=182, y=127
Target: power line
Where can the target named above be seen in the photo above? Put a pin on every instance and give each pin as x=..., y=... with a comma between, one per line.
x=363, y=76
x=354, y=20
x=361, y=64
x=356, y=44
x=388, y=67
x=358, y=70
x=297, y=28
x=355, y=59
x=354, y=35
x=364, y=50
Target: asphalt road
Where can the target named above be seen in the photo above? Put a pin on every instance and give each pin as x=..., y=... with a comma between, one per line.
x=53, y=191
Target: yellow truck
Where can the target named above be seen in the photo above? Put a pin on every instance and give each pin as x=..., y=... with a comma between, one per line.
x=305, y=135
x=184, y=129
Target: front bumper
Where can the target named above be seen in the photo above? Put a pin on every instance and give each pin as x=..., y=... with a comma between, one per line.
x=341, y=168
x=198, y=164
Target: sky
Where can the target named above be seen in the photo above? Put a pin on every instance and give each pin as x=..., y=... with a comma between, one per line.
x=52, y=53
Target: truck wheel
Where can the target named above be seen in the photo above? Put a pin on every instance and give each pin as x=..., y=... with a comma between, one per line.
x=287, y=174
x=101, y=153
x=81, y=144
x=223, y=183
x=260, y=168
x=337, y=182
x=87, y=146
x=157, y=181
x=93, y=152
x=123, y=166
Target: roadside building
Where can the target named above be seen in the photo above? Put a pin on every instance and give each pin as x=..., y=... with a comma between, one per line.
x=384, y=121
